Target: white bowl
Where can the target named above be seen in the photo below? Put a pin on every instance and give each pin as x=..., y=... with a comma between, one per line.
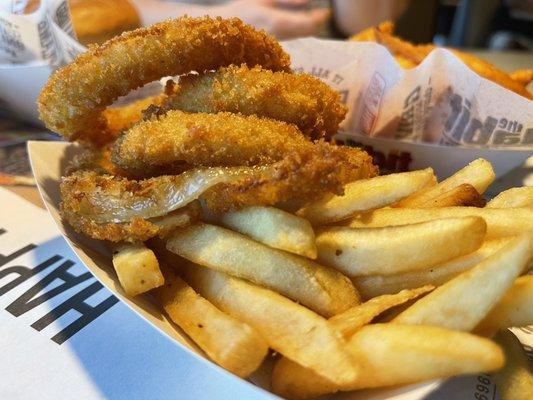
x=20, y=86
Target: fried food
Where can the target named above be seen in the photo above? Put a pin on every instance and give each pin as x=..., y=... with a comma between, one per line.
x=114, y=208
x=231, y=343
x=97, y=160
x=296, y=167
x=134, y=230
x=366, y=195
x=300, y=177
x=137, y=268
x=107, y=198
x=409, y=52
x=119, y=119
x=222, y=139
x=97, y=21
x=319, y=288
x=72, y=101
x=523, y=76
x=299, y=99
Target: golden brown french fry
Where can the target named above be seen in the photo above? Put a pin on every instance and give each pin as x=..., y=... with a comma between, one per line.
x=464, y=301
x=368, y=35
x=515, y=379
x=275, y=228
x=367, y=194
x=489, y=71
x=462, y=195
x=405, y=63
x=523, y=76
x=512, y=198
x=514, y=309
x=478, y=173
x=361, y=252
x=288, y=328
x=137, y=268
x=322, y=289
x=351, y=320
x=399, y=47
x=377, y=285
x=391, y=354
x=230, y=343
x=500, y=222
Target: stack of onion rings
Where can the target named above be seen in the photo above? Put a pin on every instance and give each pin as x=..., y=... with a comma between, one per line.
x=238, y=132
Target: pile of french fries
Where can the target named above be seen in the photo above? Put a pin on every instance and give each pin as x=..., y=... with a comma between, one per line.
x=400, y=280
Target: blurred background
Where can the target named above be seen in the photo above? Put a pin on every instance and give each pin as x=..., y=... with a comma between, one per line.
x=495, y=24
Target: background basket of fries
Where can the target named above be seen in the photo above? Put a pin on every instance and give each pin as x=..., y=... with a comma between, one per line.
x=228, y=222
x=418, y=106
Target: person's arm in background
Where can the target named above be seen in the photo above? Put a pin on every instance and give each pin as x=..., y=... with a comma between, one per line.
x=289, y=21
x=352, y=16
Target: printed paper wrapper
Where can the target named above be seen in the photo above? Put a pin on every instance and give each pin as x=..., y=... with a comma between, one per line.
x=33, y=45
x=46, y=34
x=49, y=160
x=439, y=114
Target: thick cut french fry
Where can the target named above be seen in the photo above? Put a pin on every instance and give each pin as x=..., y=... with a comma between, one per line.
x=322, y=289
x=137, y=268
x=361, y=252
x=230, y=343
x=367, y=194
x=478, y=173
x=391, y=354
x=289, y=328
x=500, y=222
x=523, y=76
x=377, y=285
x=515, y=379
x=464, y=301
x=513, y=198
x=462, y=195
x=275, y=228
x=514, y=309
x=351, y=320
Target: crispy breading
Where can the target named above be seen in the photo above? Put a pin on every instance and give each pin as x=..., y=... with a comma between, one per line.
x=299, y=99
x=222, y=139
x=72, y=101
x=302, y=176
x=119, y=119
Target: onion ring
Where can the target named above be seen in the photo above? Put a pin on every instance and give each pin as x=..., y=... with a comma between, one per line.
x=72, y=101
x=300, y=99
x=222, y=139
x=135, y=230
x=119, y=119
x=114, y=199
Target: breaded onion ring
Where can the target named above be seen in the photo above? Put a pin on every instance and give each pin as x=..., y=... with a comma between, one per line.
x=298, y=179
x=135, y=230
x=72, y=101
x=298, y=99
x=115, y=199
x=222, y=139
x=124, y=117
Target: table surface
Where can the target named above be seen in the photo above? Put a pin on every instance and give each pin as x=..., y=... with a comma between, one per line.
x=509, y=61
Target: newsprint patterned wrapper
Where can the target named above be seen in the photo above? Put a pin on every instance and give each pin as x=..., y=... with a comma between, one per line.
x=37, y=31
x=439, y=114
